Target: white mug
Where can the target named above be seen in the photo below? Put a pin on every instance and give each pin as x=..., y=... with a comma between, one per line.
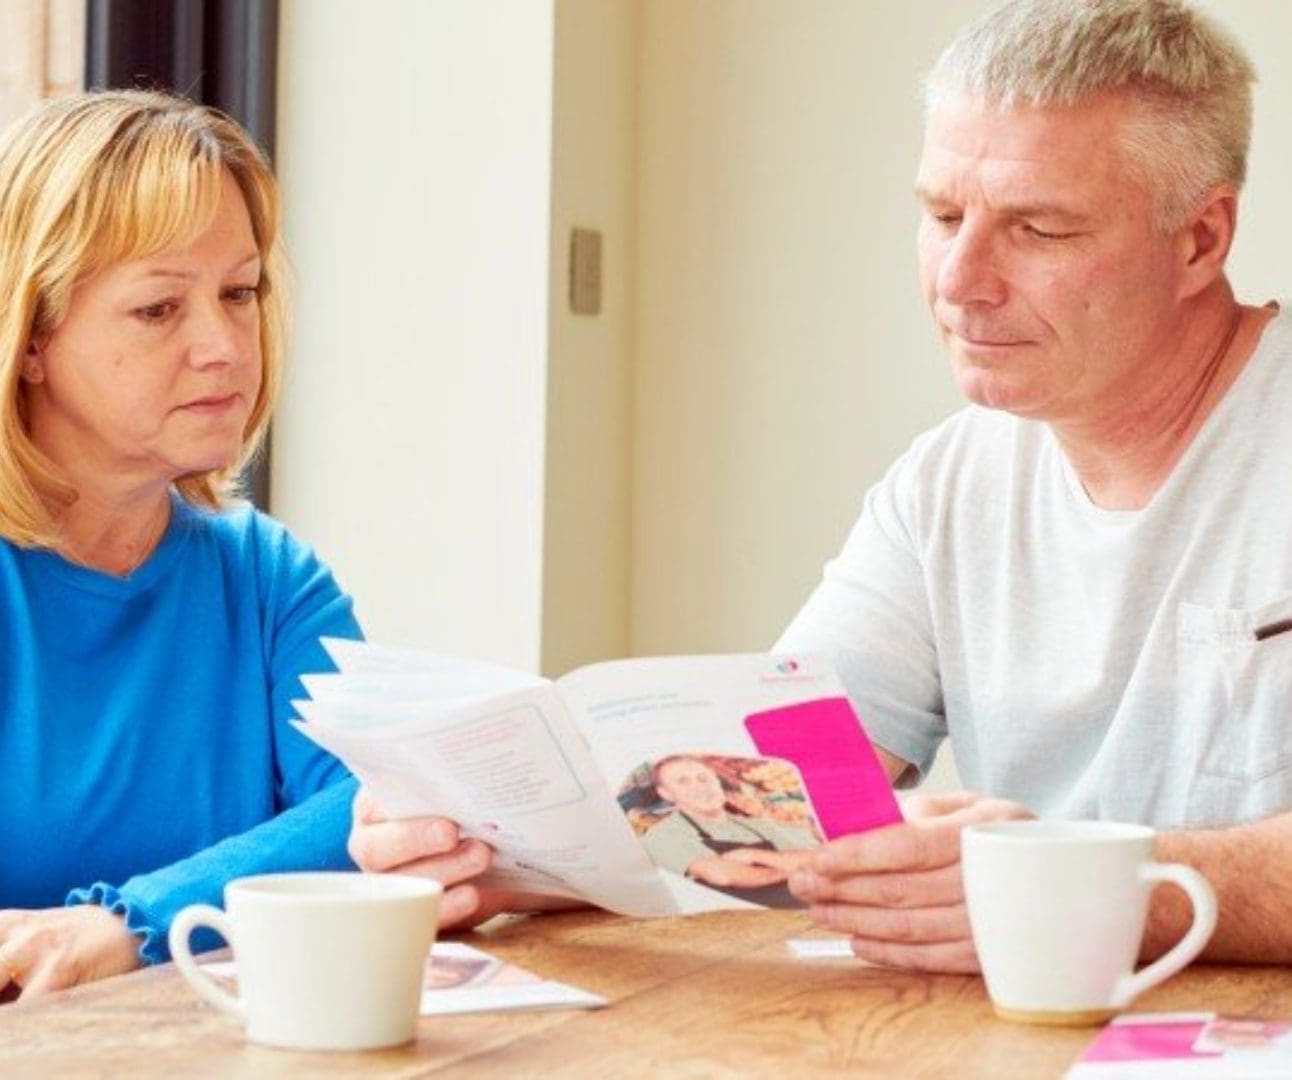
x=1058, y=912
x=325, y=961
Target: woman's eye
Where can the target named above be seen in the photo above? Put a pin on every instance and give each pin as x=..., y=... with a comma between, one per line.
x=242, y=294
x=154, y=313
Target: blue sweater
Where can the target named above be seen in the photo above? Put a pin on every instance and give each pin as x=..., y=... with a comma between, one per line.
x=145, y=752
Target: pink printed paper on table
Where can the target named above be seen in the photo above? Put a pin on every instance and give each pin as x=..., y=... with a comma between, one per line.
x=1151, y=1045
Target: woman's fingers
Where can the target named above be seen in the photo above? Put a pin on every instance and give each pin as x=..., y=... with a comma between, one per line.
x=53, y=948
x=458, y=906
x=12, y=971
x=467, y=860
x=365, y=810
x=45, y=978
x=382, y=845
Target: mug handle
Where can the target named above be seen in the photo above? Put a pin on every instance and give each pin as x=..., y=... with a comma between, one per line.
x=1203, y=899
x=181, y=929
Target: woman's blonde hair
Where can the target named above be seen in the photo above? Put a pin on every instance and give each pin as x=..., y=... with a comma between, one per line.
x=1191, y=80
x=97, y=179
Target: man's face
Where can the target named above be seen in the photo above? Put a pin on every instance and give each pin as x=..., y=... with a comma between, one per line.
x=1039, y=258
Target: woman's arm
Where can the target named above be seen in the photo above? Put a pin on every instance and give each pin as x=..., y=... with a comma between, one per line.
x=310, y=836
x=292, y=600
x=106, y=930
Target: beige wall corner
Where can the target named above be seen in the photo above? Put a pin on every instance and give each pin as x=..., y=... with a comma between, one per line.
x=783, y=356
x=415, y=155
x=589, y=405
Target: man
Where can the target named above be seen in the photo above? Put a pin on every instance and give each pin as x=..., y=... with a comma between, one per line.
x=1085, y=578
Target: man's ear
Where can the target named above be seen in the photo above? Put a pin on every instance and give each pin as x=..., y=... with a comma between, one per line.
x=1206, y=240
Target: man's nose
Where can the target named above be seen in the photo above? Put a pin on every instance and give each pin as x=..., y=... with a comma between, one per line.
x=969, y=272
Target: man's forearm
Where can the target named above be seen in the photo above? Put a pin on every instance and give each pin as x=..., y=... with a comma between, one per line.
x=1250, y=867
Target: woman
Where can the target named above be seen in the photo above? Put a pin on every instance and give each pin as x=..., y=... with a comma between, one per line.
x=151, y=632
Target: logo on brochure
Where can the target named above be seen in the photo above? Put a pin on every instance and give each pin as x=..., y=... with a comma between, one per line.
x=789, y=670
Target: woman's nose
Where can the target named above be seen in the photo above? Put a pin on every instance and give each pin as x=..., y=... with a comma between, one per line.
x=217, y=337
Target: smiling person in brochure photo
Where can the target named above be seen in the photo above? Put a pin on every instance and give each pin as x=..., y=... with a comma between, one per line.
x=705, y=838
x=151, y=628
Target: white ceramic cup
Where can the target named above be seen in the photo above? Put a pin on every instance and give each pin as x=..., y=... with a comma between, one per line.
x=325, y=961
x=1058, y=912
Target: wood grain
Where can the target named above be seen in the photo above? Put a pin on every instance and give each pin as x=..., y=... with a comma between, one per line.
x=706, y=996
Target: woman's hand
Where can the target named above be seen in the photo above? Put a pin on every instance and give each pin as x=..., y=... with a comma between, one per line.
x=54, y=948
x=426, y=847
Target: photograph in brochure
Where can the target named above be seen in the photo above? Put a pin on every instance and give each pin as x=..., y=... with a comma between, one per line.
x=736, y=825
x=649, y=786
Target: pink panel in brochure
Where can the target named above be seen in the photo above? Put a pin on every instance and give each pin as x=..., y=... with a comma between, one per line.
x=1150, y=1040
x=848, y=787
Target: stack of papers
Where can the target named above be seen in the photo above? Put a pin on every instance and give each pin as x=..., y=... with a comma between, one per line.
x=462, y=979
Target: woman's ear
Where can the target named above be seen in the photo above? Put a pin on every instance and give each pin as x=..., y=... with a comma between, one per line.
x=33, y=364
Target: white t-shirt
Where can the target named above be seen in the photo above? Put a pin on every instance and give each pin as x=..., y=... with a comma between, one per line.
x=1087, y=663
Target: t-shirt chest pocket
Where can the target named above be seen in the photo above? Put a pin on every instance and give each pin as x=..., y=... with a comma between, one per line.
x=1234, y=696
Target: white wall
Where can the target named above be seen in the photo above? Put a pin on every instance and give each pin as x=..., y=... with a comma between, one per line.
x=1261, y=267
x=783, y=356
x=415, y=156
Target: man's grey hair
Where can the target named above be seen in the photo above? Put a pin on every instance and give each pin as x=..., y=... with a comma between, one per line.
x=1191, y=80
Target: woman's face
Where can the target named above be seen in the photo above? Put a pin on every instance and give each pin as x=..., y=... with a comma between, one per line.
x=154, y=371
x=691, y=786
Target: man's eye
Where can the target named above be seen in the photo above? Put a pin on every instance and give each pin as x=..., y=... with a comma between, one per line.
x=154, y=313
x=1042, y=234
x=947, y=219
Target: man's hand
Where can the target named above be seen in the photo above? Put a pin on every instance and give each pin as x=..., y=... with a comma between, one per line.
x=897, y=891
x=54, y=948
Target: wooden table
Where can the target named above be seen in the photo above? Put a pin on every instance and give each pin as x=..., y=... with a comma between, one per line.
x=706, y=996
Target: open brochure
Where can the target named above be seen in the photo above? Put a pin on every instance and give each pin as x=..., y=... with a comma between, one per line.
x=648, y=787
